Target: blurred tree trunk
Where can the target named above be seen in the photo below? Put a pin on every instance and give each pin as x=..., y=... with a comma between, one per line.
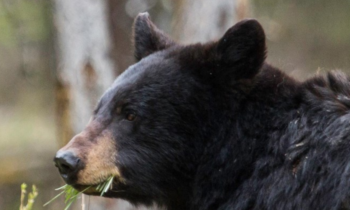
x=92, y=50
x=85, y=67
x=120, y=24
x=205, y=20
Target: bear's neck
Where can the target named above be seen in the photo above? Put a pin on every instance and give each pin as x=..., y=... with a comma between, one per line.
x=260, y=118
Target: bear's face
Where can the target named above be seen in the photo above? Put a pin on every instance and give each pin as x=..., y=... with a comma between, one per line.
x=140, y=131
x=151, y=127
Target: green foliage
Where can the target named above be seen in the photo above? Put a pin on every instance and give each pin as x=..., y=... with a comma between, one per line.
x=105, y=186
x=31, y=197
x=22, y=21
x=72, y=194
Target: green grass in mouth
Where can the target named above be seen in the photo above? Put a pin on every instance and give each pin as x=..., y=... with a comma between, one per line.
x=72, y=194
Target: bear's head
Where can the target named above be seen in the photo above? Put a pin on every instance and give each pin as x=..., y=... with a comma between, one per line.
x=152, y=127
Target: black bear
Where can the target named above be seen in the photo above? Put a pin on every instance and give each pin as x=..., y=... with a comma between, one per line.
x=213, y=127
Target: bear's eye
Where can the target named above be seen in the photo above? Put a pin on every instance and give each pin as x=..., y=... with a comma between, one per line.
x=119, y=110
x=131, y=116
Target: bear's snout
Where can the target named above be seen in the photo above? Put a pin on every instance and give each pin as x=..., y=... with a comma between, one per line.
x=89, y=158
x=68, y=165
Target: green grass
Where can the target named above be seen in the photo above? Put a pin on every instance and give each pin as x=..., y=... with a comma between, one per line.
x=31, y=197
x=105, y=186
x=72, y=194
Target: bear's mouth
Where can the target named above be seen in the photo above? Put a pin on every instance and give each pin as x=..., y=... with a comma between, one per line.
x=95, y=190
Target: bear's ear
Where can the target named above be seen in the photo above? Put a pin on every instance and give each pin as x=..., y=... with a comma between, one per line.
x=242, y=49
x=148, y=38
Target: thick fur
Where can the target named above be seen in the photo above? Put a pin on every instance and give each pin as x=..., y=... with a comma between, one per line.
x=217, y=128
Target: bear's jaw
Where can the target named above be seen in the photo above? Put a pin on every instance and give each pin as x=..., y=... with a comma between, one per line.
x=119, y=190
x=95, y=189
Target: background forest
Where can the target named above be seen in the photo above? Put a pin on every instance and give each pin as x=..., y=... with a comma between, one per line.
x=303, y=38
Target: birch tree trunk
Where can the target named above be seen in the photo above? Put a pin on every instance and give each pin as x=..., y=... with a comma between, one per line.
x=205, y=20
x=85, y=68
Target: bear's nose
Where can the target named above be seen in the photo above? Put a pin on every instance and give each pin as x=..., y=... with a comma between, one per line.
x=68, y=165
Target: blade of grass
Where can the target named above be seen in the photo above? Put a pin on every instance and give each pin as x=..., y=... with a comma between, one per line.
x=108, y=185
x=69, y=204
x=54, y=198
x=62, y=188
x=23, y=193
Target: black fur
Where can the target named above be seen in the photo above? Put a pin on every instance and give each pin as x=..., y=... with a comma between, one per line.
x=217, y=128
x=148, y=38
